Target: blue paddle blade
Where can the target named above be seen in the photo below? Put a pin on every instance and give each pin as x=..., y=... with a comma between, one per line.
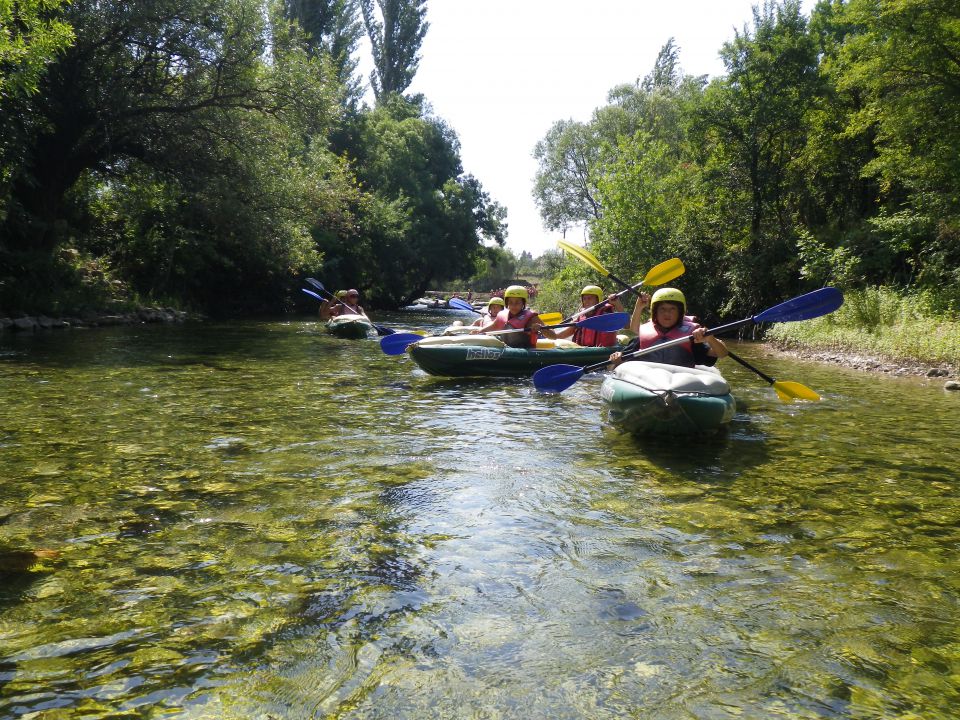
x=460, y=304
x=311, y=293
x=556, y=378
x=803, y=307
x=397, y=343
x=609, y=322
x=317, y=284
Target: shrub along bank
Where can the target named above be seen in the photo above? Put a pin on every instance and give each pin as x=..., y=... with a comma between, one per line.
x=895, y=328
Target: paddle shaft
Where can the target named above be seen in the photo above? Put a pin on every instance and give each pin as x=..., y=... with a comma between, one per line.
x=748, y=366
x=597, y=322
x=672, y=343
x=516, y=330
x=593, y=308
x=665, y=271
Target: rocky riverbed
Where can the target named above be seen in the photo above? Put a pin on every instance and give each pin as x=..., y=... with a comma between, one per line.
x=869, y=363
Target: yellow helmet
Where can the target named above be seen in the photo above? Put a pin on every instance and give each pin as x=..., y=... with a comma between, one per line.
x=341, y=294
x=592, y=290
x=496, y=301
x=668, y=295
x=518, y=291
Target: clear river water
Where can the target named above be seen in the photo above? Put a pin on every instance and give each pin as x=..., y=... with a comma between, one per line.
x=257, y=520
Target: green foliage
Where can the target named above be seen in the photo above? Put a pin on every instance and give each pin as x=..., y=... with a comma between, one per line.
x=563, y=189
x=823, y=265
x=332, y=29
x=826, y=154
x=882, y=322
x=396, y=34
x=496, y=268
x=31, y=35
x=424, y=221
x=561, y=292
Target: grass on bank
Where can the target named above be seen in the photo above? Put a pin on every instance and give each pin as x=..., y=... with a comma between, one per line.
x=881, y=323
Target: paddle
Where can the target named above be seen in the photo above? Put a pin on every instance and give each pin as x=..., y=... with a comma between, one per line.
x=397, y=344
x=381, y=329
x=658, y=275
x=787, y=390
x=548, y=318
x=664, y=272
x=459, y=304
x=557, y=378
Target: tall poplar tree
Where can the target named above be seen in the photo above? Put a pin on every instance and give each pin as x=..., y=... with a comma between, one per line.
x=395, y=40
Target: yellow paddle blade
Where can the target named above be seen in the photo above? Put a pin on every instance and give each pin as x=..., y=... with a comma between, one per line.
x=788, y=391
x=584, y=255
x=664, y=272
x=550, y=318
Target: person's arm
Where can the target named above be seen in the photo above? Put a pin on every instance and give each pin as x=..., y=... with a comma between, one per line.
x=536, y=325
x=636, y=319
x=484, y=328
x=614, y=302
x=715, y=346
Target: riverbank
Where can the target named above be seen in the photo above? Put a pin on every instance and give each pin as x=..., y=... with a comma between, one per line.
x=34, y=323
x=870, y=363
x=879, y=330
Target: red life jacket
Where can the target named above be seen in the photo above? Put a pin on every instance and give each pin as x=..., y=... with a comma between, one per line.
x=594, y=338
x=503, y=321
x=679, y=354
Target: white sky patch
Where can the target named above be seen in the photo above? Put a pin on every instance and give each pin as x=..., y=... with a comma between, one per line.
x=501, y=72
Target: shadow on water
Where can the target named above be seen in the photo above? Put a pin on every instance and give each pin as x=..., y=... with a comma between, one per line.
x=718, y=457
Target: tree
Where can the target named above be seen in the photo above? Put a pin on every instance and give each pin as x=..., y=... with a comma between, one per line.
x=906, y=62
x=31, y=35
x=332, y=28
x=564, y=189
x=753, y=125
x=421, y=220
x=166, y=142
x=395, y=40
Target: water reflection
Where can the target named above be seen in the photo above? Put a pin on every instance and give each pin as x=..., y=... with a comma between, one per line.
x=257, y=520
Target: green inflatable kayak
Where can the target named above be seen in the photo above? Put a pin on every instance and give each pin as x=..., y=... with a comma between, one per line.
x=353, y=327
x=486, y=356
x=653, y=398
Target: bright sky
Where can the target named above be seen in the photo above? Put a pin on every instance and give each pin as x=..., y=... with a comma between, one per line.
x=501, y=72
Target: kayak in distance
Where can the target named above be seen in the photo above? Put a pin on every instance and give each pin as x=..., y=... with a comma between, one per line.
x=349, y=326
x=487, y=356
x=654, y=398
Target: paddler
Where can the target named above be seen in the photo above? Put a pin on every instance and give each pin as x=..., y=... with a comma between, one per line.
x=590, y=297
x=494, y=306
x=332, y=308
x=516, y=315
x=669, y=321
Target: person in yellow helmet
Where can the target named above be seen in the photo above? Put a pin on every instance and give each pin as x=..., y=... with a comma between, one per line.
x=517, y=316
x=494, y=306
x=669, y=321
x=331, y=308
x=590, y=297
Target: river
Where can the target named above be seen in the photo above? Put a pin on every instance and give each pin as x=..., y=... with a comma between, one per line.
x=257, y=520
